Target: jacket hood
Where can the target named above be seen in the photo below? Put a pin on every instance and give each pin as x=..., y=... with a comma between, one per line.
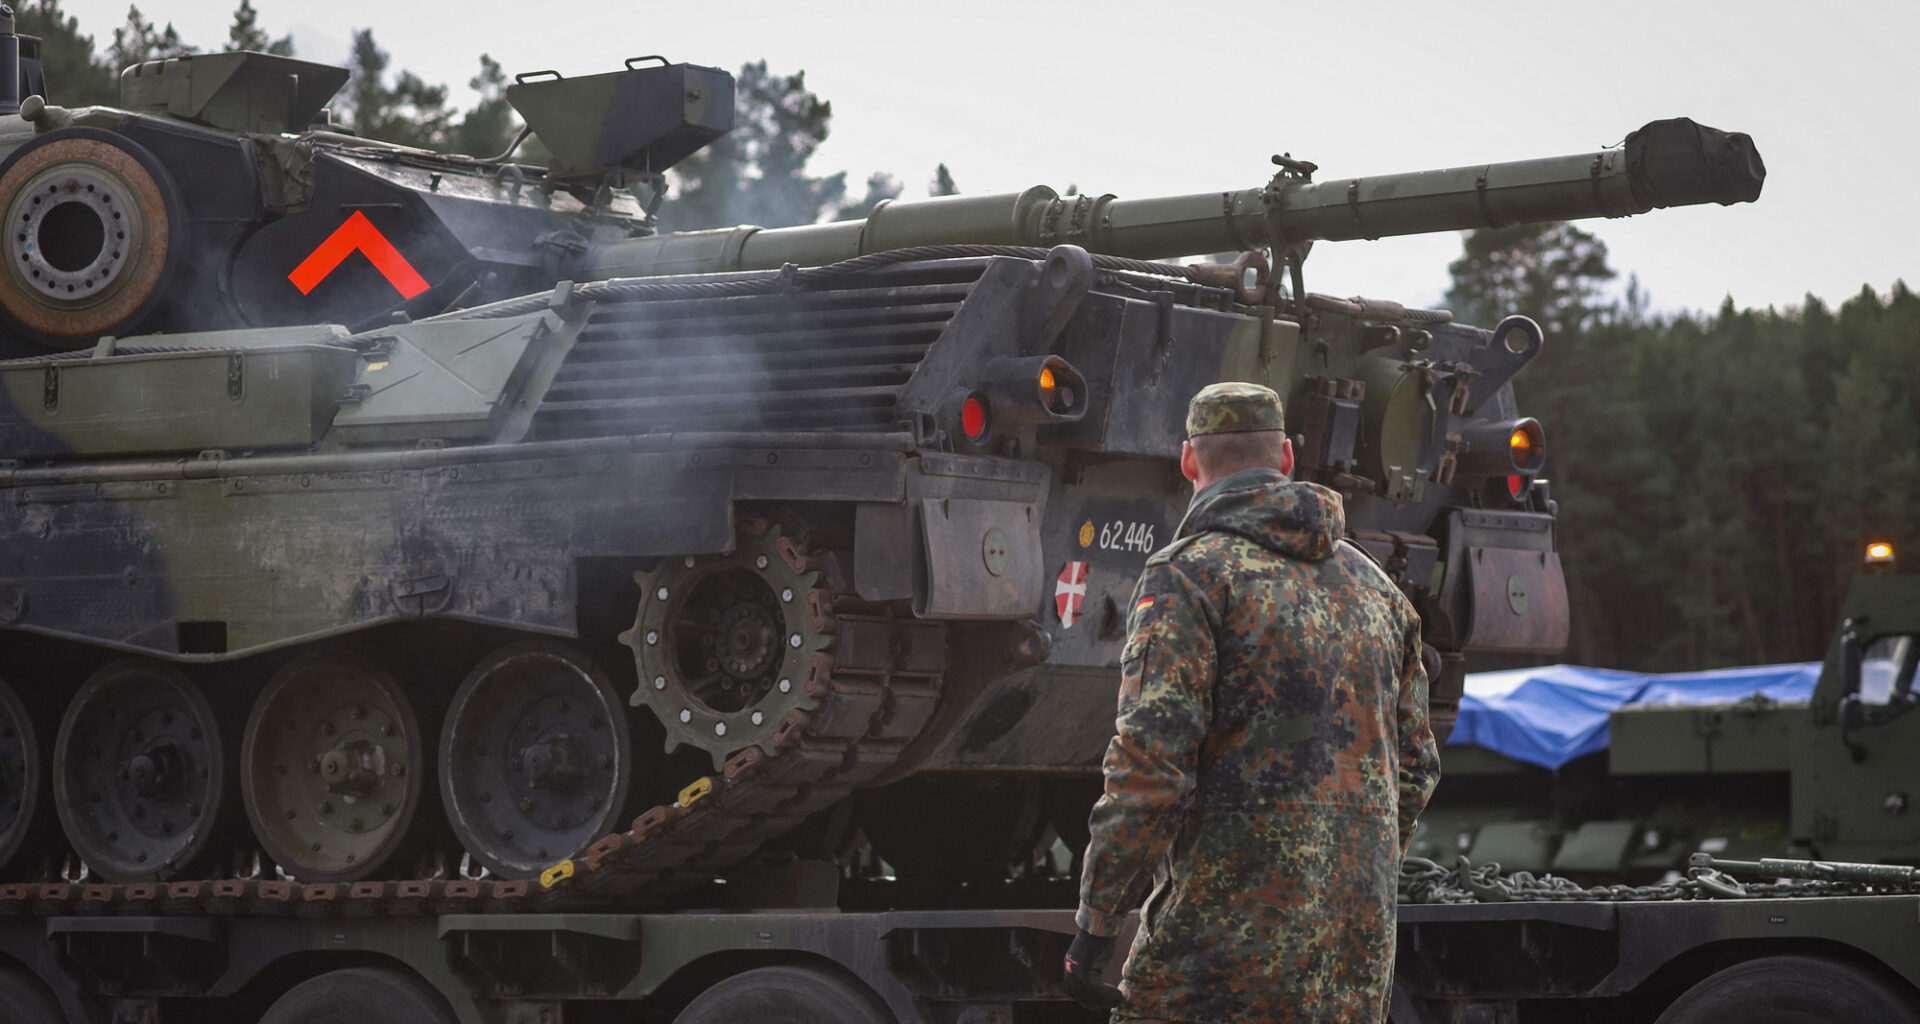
x=1298, y=520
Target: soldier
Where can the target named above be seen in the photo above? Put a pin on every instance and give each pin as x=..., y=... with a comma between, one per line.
x=1271, y=756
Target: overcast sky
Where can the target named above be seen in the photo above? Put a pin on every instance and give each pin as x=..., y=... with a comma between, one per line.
x=1141, y=98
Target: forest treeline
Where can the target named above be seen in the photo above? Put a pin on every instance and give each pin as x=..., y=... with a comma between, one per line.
x=1717, y=475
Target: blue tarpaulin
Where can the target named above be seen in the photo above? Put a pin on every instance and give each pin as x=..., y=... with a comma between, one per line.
x=1549, y=716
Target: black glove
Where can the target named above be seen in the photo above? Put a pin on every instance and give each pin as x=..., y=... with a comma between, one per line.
x=1086, y=959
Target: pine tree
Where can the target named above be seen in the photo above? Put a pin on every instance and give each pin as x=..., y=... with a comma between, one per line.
x=1551, y=272
x=410, y=112
x=880, y=186
x=757, y=174
x=942, y=183
x=487, y=128
x=367, y=96
x=138, y=40
x=75, y=77
x=245, y=34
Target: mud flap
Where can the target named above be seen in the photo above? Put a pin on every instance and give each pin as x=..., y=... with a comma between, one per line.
x=983, y=559
x=1519, y=601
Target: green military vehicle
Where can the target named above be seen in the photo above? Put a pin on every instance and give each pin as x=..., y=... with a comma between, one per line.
x=430, y=592
x=1804, y=761
x=1750, y=931
x=357, y=494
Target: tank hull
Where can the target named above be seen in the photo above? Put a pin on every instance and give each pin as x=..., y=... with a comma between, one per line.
x=558, y=505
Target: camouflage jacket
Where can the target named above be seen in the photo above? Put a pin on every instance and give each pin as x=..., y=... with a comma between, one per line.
x=1271, y=756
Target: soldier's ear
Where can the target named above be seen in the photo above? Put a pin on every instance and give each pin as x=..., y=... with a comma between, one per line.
x=1189, y=462
x=1286, y=456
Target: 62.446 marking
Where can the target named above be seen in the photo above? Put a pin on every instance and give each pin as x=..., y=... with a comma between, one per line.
x=1126, y=535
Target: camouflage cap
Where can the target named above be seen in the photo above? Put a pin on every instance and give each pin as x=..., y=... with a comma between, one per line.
x=1233, y=407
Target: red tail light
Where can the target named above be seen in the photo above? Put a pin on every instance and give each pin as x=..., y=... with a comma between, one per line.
x=973, y=418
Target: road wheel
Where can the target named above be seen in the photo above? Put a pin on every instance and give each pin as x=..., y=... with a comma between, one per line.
x=360, y=995
x=786, y=995
x=539, y=758
x=23, y=1000
x=333, y=768
x=1792, y=990
x=26, y=818
x=140, y=774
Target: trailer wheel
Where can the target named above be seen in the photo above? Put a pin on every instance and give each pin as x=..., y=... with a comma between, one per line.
x=23, y=1000
x=1792, y=990
x=785, y=995
x=359, y=995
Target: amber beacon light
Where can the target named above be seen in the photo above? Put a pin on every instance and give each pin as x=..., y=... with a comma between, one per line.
x=1060, y=389
x=1514, y=449
x=1528, y=447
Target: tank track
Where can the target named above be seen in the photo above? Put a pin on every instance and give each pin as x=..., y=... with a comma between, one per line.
x=877, y=683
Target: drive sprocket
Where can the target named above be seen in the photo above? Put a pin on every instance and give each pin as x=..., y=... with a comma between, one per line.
x=725, y=644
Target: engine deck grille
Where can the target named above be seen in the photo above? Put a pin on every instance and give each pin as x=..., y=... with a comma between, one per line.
x=827, y=357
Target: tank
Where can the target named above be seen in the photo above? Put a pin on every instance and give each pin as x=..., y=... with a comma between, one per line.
x=1821, y=776
x=378, y=514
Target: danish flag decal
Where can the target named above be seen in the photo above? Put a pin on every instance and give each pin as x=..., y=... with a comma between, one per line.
x=1069, y=592
x=358, y=235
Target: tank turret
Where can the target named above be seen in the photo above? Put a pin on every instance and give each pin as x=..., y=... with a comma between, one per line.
x=219, y=194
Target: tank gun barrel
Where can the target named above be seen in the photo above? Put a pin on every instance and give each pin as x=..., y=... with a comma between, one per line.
x=1666, y=163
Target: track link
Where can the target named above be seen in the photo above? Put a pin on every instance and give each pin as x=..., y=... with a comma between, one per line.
x=877, y=683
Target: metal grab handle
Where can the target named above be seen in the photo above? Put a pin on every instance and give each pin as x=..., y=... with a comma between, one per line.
x=664, y=62
x=527, y=76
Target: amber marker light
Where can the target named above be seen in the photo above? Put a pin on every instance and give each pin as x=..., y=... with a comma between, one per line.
x=1528, y=446
x=1879, y=552
x=1049, y=388
x=1522, y=448
x=1055, y=396
x=1528, y=449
